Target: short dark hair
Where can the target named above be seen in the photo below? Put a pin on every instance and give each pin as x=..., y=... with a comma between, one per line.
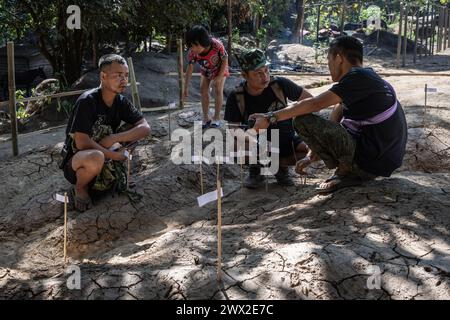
x=349, y=47
x=108, y=59
x=198, y=35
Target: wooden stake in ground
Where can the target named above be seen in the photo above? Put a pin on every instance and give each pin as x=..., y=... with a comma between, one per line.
x=128, y=154
x=180, y=72
x=65, y=227
x=12, y=98
x=425, y=105
x=169, y=124
x=242, y=175
x=201, y=176
x=134, y=89
x=219, y=225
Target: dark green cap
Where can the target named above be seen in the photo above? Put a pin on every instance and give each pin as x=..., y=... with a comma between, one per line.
x=252, y=59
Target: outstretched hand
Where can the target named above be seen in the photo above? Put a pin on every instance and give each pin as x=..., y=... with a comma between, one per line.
x=261, y=121
x=305, y=162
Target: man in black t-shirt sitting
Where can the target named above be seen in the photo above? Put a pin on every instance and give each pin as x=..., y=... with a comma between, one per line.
x=96, y=112
x=367, y=134
x=261, y=93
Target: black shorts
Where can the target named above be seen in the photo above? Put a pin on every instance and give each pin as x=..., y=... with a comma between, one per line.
x=69, y=173
x=288, y=144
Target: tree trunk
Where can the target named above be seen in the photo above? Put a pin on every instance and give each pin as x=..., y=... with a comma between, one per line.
x=230, y=27
x=343, y=13
x=94, y=48
x=297, y=32
x=168, y=42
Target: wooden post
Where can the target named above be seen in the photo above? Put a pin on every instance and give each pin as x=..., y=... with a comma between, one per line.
x=343, y=9
x=405, y=41
x=129, y=168
x=399, y=38
x=302, y=24
x=318, y=23
x=201, y=175
x=439, y=35
x=416, y=34
x=65, y=228
x=12, y=97
x=426, y=28
x=426, y=93
x=180, y=72
x=421, y=33
x=433, y=28
x=134, y=89
x=445, y=28
x=219, y=226
x=448, y=27
x=230, y=29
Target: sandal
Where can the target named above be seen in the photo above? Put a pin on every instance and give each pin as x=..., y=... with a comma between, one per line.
x=79, y=204
x=206, y=124
x=340, y=182
x=215, y=124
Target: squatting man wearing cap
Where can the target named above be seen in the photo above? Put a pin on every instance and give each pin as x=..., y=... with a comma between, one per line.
x=367, y=134
x=94, y=136
x=261, y=93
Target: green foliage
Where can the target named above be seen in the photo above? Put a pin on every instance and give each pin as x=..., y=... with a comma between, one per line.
x=20, y=113
x=235, y=35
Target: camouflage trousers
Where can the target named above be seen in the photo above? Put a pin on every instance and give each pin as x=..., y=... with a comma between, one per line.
x=331, y=142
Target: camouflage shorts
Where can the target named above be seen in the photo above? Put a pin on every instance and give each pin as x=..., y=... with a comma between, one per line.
x=330, y=141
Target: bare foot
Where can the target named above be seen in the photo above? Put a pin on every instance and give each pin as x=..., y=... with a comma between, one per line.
x=82, y=200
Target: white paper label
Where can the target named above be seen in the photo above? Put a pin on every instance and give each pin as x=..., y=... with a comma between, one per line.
x=61, y=198
x=206, y=160
x=275, y=150
x=208, y=197
x=429, y=89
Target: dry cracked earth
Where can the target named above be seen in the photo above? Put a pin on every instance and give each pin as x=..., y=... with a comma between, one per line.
x=287, y=243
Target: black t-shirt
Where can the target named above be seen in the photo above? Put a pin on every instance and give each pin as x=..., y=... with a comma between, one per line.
x=90, y=111
x=265, y=102
x=380, y=147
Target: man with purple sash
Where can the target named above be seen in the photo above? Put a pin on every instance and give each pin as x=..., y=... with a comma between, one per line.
x=367, y=131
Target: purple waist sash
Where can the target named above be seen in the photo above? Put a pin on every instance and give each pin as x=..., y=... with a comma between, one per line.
x=356, y=125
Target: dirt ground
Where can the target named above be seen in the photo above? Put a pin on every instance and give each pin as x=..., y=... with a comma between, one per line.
x=288, y=243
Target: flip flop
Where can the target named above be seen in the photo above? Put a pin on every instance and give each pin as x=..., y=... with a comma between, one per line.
x=79, y=204
x=341, y=182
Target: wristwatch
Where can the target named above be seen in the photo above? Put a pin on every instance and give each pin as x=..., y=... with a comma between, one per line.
x=272, y=118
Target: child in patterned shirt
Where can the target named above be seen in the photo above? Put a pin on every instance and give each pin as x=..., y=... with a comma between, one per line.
x=210, y=54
